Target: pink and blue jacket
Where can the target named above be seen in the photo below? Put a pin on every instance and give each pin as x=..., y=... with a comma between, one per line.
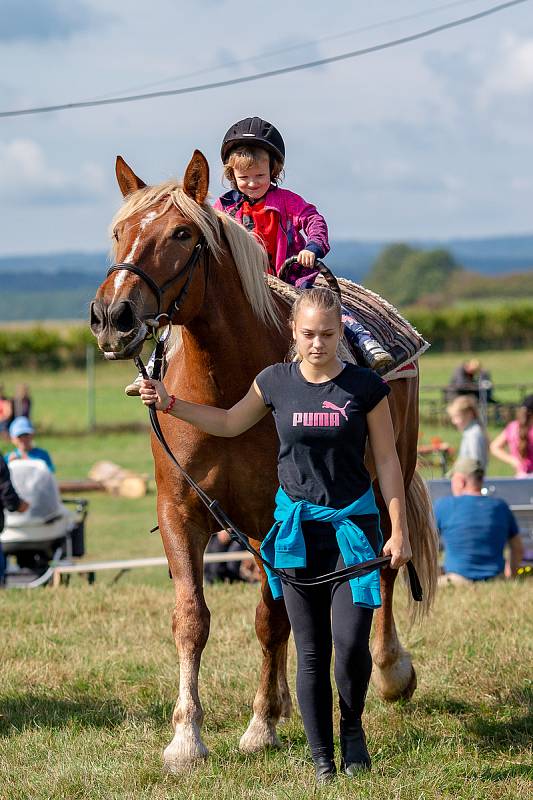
x=295, y=217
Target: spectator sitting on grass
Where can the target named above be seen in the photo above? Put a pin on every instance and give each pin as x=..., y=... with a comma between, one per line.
x=475, y=529
x=230, y=571
x=21, y=433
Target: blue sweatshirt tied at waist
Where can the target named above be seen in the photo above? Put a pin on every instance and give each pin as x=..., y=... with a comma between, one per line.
x=284, y=544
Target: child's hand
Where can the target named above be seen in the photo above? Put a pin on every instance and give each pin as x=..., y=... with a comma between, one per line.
x=306, y=258
x=154, y=393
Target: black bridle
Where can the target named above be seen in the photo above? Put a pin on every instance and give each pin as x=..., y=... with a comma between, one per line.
x=159, y=291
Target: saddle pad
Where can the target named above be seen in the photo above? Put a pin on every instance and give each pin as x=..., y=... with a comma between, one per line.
x=385, y=323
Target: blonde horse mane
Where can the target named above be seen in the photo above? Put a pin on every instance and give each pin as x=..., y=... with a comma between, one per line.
x=250, y=258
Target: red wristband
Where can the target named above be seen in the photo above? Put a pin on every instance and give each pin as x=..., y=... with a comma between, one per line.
x=170, y=405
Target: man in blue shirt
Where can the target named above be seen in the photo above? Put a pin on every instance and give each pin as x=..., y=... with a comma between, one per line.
x=21, y=433
x=475, y=529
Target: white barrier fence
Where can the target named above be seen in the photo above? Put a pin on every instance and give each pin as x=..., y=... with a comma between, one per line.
x=91, y=567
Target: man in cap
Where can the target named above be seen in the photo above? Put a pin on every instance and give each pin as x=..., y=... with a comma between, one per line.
x=475, y=529
x=21, y=432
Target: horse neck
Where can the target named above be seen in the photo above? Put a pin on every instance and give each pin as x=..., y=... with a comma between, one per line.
x=226, y=345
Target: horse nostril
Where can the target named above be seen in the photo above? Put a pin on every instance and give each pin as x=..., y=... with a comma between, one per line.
x=97, y=316
x=122, y=317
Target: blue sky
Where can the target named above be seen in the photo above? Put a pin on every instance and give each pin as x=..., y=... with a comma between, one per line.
x=432, y=139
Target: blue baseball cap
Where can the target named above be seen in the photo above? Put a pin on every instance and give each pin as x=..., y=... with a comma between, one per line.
x=20, y=426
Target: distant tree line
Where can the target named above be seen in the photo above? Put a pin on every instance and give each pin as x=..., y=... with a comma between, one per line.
x=404, y=274
x=408, y=277
x=467, y=329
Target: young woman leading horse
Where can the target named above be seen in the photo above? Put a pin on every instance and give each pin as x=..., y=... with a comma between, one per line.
x=323, y=410
x=197, y=268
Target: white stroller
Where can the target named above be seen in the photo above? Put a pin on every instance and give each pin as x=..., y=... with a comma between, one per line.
x=45, y=534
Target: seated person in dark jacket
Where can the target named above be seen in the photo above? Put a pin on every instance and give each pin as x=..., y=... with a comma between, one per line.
x=470, y=378
x=9, y=500
x=230, y=571
x=475, y=529
x=221, y=570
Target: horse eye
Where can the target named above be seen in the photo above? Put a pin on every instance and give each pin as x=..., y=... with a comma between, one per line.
x=115, y=235
x=181, y=234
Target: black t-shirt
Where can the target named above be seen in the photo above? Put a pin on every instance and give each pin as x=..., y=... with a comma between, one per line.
x=322, y=430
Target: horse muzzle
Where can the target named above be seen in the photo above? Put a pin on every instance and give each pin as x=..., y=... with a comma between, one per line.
x=118, y=331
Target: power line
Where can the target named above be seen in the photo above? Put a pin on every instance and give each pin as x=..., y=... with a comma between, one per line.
x=281, y=51
x=268, y=74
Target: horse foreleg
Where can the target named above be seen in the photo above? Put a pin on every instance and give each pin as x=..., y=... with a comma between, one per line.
x=393, y=673
x=285, y=692
x=190, y=625
x=272, y=699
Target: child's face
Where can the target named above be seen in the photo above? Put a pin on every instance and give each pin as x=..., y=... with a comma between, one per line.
x=23, y=442
x=254, y=181
x=461, y=419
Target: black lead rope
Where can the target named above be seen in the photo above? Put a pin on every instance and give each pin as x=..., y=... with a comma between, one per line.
x=354, y=571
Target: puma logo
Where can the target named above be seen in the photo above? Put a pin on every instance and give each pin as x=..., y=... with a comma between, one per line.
x=342, y=411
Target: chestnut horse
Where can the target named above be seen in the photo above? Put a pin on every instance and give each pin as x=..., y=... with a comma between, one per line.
x=231, y=328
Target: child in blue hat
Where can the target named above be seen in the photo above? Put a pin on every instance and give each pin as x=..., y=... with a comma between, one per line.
x=21, y=432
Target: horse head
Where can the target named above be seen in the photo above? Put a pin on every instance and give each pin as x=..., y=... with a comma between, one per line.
x=159, y=238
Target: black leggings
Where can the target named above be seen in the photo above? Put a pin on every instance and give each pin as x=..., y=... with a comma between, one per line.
x=321, y=617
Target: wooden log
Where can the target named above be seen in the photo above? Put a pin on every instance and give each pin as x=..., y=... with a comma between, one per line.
x=85, y=485
x=119, y=481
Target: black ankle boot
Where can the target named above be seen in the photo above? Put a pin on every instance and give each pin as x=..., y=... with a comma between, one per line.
x=355, y=755
x=325, y=769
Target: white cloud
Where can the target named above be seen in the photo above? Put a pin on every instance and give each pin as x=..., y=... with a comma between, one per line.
x=521, y=184
x=400, y=175
x=26, y=173
x=511, y=72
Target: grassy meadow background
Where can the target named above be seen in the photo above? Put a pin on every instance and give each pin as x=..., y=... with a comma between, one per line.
x=88, y=675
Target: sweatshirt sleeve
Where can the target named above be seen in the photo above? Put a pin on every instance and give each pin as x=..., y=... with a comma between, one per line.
x=315, y=228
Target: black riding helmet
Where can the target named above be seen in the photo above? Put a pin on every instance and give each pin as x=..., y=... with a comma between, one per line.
x=253, y=131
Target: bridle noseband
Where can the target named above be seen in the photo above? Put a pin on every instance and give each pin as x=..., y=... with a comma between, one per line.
x=159, y=291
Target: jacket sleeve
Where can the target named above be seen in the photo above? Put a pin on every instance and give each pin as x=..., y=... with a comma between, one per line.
x=217, y=205
x=8, y=497
x=315, y=228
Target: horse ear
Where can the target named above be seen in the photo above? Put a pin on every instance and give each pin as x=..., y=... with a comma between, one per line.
x=127, y=179
x=196, y=178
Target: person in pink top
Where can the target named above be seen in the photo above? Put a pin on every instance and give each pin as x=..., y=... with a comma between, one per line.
x=514, y=445
x=253, y=154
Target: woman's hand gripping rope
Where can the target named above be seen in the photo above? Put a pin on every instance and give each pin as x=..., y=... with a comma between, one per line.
x=153, y=393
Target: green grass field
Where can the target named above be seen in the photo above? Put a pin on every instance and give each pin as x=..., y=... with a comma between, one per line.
x=88, y=675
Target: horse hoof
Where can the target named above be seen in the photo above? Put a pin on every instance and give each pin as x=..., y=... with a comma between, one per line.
x=259, y=735
x=396, y=681
x=185, y=750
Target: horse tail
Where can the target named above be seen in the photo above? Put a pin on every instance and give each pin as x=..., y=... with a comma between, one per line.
x=424, y=544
